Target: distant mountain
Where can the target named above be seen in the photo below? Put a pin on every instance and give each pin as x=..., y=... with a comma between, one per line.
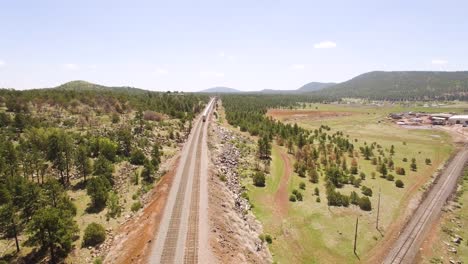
x=314, y=86
x=402, y=85
x=84, y=86
x=220, y=89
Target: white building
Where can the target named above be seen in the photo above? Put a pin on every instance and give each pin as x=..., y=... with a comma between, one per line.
x=458, y=119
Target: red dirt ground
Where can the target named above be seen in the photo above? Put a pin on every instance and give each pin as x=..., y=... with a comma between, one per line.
x=281, y=195
x=134, y=238
x=283, y=114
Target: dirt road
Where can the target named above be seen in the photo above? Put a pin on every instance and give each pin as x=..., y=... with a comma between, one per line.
x=407, y=245
x=178, y=237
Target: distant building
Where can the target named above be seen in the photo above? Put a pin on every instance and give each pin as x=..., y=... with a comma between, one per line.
x=441, y=115
x=458, y=119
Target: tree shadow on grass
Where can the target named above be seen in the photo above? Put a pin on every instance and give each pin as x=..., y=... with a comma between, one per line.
x=94, y=209
x=81, y=185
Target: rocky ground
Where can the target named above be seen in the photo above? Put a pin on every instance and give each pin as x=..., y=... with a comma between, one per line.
x=234, y=236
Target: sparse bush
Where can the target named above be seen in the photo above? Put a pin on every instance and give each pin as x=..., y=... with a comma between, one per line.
x=113, y=205
x=94, y=234
x=292, y=198
x=428, y=161
x=316, y=191
x=152, y=116
x=318, y=199
x=136, y=206
x=390, y=177
x=405, y=160
x=222, y=177
x=400, y=171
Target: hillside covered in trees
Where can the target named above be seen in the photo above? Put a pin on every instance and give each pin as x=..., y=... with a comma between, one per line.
x=401, y=85
x=80, y=152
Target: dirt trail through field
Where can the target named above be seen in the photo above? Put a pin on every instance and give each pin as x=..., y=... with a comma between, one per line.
x=281, y=196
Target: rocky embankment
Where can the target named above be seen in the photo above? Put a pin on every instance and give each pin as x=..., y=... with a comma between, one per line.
x=235, y=232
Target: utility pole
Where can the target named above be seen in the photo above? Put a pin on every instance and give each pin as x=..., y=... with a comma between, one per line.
x=355, y=235
x=378, y=212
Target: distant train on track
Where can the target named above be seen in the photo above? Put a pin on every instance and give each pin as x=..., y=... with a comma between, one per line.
x=208, y=108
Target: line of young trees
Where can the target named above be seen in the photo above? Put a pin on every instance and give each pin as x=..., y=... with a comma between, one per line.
x=317, y=152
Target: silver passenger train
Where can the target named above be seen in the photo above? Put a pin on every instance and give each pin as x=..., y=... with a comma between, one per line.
x=208, y=108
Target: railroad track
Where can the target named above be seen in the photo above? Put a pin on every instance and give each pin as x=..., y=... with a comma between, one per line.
x=177, y=240
x=172, y=237
x=191, y=248
x=407, y=245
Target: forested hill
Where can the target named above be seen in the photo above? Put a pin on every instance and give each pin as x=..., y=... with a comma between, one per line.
x=402, y=85
x=87, y=86
x=109, y=99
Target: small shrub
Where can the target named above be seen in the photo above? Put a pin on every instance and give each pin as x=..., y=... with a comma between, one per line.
x=316, y=191
x=365, y=203
x=299, y=196
x=94, y=234
x=302, y=186
x=259, y=179
x=137, y=157
x=115, y=118
x=400, y=171
x=390, y=177
x=428, y=161
x=366, y=191
x=294, y=191
x=136, y=206
x=245, y=195
x=318, y=199
x=362, y=175
x=222, y=177
x=405, y=160
x=292, y=198
x=399, y=183
x=268, y=239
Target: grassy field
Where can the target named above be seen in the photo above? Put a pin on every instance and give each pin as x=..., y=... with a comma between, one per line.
x=312, y=232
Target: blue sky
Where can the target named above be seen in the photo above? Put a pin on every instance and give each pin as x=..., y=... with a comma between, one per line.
x=248, y=45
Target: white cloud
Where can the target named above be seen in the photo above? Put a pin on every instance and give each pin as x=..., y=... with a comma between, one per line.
x=71, y=66
x=92, y=67
x=325, y=45
x=2, y=63
x=161, y=71
x=439, y=62
x=221, y=54
x=298, y=66
x=208, y=74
